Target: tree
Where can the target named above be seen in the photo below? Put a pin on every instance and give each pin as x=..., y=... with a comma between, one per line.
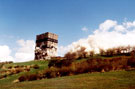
x=102, y=52
x=92, y=53
x=70, y=55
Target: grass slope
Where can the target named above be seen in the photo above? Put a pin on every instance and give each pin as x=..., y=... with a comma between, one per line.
x=107, y=80
x=10, y=79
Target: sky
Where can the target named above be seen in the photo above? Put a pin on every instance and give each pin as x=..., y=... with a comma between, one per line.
x=77, y=22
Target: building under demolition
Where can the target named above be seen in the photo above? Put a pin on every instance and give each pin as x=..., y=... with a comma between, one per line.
x=46, y=46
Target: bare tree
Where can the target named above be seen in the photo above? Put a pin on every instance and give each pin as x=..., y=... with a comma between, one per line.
x=102, y=52
x=70, y=56
x=92, y=53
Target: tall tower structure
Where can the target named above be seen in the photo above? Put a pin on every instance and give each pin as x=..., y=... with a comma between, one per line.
x=46, y=46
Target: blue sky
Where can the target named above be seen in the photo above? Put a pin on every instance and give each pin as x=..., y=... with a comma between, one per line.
x=27, y=18
x=24, y=19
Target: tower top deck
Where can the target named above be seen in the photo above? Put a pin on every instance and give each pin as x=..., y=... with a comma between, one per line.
x=47, y=35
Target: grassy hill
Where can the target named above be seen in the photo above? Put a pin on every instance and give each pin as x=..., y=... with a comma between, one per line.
x=106, y=80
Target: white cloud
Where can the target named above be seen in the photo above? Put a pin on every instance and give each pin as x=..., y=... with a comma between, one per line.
x=62, y=50
x=107, y=25
x=120, y=28
x=85, y=29
x=26, y=51
x=5, y=53
x=109, y=34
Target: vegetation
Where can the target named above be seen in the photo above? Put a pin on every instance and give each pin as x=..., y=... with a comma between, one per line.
x=68, y=66
x=108, y=65
x=106, y=80
x=18, y=69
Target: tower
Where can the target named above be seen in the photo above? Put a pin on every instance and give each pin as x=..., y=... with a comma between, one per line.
x=46, y=46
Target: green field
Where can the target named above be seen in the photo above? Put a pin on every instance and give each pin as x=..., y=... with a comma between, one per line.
x=106, y=80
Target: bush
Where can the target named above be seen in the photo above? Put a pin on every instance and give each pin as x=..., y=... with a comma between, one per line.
x=10, y=67
x=36, y=66
x=131, y=62
x=3, y=76
x=10, y=73
x=59, y=63
x=53, y=63
x=32, y=77
x=71, y=56
x=1, y=65
x=27, y=69
x=64, y=71
x=18, y=70
x=17, y=66
x=22, y=78
x=68, y=67
x=51, y=73
x=29, y=77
